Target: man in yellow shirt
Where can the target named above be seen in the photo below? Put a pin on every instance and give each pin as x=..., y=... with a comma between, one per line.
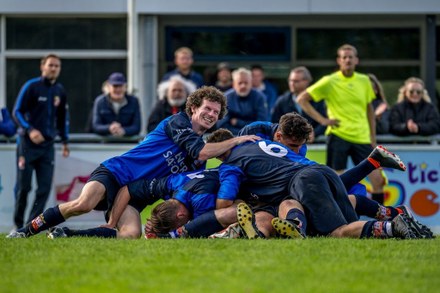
x=350, y=123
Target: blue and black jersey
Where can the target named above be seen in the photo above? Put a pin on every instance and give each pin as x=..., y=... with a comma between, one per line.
x=266, y=130
x=264, y=168
x=197, y=190
x=173, y=147
x=42, y=105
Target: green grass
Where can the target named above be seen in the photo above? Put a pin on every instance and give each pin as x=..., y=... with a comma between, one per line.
x=221, y=265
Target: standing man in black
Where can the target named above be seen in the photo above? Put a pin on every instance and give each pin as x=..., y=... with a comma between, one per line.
x=41, y=112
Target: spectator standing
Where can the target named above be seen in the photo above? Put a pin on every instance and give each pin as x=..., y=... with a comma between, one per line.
x=172, y=96
x=115, y=112
x=413, y=114
x=7, y=125
x=350, y=124
x=245, y=104
x=299, y=79
x=183, y=59
x=41, y=111
x=224, y=77
x=260, y=83
x=380, y=106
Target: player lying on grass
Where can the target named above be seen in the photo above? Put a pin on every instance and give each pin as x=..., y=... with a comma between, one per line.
x=272, y=173
x=175, y=146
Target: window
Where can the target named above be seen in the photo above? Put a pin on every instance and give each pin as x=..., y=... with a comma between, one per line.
x=66, y=33
x=386, y=43
x=230, y=43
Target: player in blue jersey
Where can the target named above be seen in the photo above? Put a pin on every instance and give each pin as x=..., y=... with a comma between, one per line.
x=274, y=175
x=175, y=146
x=208, y=204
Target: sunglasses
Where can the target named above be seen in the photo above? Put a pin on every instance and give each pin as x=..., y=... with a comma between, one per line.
x=415, y=92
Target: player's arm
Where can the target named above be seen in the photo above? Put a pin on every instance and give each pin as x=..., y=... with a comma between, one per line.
x=304, y=101
x=372, y=123
x=223, y=203
x=121, y=202
x=214, y=149
x=230, y=178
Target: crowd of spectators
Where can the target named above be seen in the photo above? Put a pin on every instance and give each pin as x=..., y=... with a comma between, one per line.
x=251, y=97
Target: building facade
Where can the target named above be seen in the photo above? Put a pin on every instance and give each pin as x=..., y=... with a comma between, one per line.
x=395, y=39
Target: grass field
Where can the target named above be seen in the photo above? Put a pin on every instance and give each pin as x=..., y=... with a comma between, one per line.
x=218, y=265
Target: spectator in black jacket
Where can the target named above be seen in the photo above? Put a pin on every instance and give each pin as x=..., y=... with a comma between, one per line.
x=413, y=114
x=115, y=112
x=172, y=96
x=299, y=79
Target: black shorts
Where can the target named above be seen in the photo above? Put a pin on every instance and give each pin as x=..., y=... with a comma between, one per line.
x=338, y=151
x=112, y=186
x=324, y=198
x=143, y=193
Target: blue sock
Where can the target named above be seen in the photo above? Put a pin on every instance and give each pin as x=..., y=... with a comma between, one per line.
x=93, y=232
x=367, y=207
x=356, y=174
x=372, y=209
x=367, y=230
x=297, y=216
x=49, y=218
x=203, y=226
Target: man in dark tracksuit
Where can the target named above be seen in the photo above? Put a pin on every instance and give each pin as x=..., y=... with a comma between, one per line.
x=41, y=112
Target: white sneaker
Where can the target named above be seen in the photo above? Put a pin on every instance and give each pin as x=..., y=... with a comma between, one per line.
x=230, y=232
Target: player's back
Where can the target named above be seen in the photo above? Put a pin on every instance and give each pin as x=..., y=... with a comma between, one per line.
x=267, y=166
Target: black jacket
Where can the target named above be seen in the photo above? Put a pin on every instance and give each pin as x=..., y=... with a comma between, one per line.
x=285, y=104
x=161, y=111
x=424, y=114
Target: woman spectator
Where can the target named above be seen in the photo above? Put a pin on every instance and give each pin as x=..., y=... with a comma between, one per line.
x=381, y=107
x=413, y=114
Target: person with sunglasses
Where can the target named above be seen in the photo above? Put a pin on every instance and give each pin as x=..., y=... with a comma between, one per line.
x=414, y=114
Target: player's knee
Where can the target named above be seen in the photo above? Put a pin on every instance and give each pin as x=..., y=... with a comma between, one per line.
x=339, y=232
x=127, y=233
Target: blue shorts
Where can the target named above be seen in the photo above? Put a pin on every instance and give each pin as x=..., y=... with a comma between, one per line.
x=324, y=198
x=112, y=186
x=338, y=151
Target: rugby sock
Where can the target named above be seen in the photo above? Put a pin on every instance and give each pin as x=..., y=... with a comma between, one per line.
x=93, y=232
x=356, y=174
x=49, y=218
x=298, y=218
x=377, y=229
x=203, y=226
x=379, y=197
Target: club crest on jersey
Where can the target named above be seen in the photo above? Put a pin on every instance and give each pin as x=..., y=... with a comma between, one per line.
x=56, y=101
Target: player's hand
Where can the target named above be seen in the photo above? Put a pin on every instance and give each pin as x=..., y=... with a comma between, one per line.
x=331, y=122
x=36, y=136
x=244, y=138
x=65, y=150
